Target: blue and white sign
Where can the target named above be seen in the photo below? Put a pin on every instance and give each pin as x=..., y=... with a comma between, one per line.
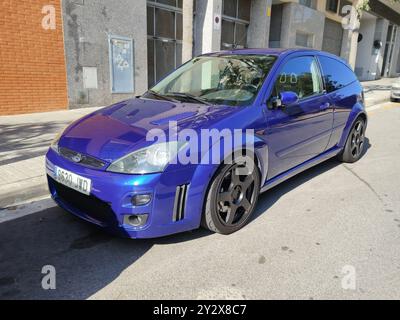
x=121, y=65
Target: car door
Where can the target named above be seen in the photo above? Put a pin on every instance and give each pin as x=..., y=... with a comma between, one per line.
x=300, y=131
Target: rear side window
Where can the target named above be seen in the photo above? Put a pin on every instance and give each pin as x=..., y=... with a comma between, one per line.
x=336, y=74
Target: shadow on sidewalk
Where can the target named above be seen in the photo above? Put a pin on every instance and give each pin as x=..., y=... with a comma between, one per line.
x=25, y=141
x=86, y=258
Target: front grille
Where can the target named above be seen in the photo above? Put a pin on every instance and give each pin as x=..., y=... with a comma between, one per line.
x=180, y=202
x=85, y=159
x=89, y=205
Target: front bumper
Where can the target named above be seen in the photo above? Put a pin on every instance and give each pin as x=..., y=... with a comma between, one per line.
x=395, y=93
x=110, y=201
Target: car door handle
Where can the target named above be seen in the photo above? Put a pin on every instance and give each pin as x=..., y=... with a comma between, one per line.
x=325, y=106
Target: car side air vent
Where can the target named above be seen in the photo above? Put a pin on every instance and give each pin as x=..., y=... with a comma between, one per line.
x=180, y=202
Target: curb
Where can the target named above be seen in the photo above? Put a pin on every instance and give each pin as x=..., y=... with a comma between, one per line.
x=372, y=102
x=18, y=193
x=374, y=97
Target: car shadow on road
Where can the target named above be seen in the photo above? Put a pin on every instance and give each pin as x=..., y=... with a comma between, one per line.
x=87, y=259
x=270, y=197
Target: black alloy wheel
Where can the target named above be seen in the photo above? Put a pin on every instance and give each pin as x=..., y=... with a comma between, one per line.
x=232, y=198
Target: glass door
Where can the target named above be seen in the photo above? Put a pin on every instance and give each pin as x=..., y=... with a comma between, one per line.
x=389, y=47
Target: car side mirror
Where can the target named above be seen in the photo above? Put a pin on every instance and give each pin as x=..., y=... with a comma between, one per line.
x=285, y=98
x=288, y=97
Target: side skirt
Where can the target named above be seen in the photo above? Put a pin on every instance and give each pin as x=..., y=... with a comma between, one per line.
x=300, y=168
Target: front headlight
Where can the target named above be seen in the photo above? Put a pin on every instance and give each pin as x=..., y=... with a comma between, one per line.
x=153, y=159
x=54, y=143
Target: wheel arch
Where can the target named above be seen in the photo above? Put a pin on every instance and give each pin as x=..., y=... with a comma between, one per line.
x=209, y=172
x=357, y=112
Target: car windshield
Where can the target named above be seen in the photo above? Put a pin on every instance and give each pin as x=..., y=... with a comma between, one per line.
x=233, y=80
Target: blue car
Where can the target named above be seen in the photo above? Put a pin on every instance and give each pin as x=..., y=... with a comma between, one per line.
x=291, y=109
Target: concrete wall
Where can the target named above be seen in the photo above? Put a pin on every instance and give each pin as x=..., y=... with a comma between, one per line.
x=367, y=57
x=258, y=31
x=207, y=34
x=298, y=18
x=87, y=25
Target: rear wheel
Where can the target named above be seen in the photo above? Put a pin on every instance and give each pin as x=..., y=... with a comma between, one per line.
x=354, y=147
x=232, y=198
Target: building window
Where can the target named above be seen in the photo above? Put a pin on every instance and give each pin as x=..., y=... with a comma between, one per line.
x=304, y=39
x=332, y=5
x=333, y=37
x=164, y=38
x=235, y=21
x=276, y=26
x=309, y=3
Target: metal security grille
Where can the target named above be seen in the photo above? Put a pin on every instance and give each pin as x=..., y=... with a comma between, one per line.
x=164, y=38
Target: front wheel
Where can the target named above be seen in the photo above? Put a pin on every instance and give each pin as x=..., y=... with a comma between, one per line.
x=355, y=143
x=231, y=198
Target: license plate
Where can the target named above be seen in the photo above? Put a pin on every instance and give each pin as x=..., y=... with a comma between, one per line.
x=73, y=181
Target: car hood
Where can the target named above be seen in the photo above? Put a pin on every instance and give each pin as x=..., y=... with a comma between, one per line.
x=115, y=131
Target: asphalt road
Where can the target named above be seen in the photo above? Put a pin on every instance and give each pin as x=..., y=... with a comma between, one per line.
x=332, y=232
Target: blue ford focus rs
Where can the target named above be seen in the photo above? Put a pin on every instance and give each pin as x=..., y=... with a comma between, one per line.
x=297, y=107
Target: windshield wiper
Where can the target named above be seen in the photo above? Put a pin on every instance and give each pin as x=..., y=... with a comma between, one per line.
x=189, y=96
x=161, y=96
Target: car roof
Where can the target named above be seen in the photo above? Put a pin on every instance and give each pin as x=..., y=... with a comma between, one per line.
x=277, y=52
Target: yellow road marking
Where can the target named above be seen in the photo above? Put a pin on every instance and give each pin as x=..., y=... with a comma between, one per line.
x=383, y=106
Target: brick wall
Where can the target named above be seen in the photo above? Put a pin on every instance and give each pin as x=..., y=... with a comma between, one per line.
x=32, y=61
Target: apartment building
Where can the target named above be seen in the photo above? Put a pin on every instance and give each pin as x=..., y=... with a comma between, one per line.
x=105, y=51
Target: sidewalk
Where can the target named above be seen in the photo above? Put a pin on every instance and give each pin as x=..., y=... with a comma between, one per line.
x=24, y=141
x=377, y=91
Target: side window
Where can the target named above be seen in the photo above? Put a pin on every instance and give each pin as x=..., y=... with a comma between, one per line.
x=300, y=75
x=336, y=74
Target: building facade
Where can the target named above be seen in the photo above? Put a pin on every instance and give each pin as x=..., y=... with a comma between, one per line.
x=101, y=51
x=32, y=60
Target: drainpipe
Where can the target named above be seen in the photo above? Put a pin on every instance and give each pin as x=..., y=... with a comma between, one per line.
x=187, y=39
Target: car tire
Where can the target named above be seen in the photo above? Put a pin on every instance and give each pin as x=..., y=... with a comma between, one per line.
x=355, y=143
x=231, y=199
x=393, y=100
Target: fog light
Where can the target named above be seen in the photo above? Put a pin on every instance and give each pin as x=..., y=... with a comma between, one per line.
x=141, y=200
x=136, y=220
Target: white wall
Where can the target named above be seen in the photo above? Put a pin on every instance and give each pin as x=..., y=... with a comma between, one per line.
x=366, y=58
